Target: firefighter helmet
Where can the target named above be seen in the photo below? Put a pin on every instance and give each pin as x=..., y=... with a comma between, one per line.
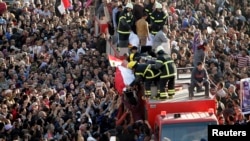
x=129, y=5
x=131, y=64
x=158, y=5
x=159, y=48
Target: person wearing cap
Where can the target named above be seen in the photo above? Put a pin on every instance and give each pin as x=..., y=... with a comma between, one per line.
x=199, y=78
x=126, y=20
x=144, y=73
x=166, y=65
x=158, y=19
x=134, y=54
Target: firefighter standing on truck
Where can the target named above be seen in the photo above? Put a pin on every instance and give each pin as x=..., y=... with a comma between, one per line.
x=126, y=21
x=158, y=19
x=149, y=8
x=144, y=73
x=168, y=73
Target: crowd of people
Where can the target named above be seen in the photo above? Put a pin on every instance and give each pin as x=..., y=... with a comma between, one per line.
x=56, y=82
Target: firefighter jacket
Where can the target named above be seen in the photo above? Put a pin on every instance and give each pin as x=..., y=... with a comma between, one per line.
x=149, y=9
x=134, y=57
x=144, y=71
x=166, y=65
x=125, y=23
x=158, y=20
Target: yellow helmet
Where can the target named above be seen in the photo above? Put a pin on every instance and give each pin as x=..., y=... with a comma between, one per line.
x=131, y=64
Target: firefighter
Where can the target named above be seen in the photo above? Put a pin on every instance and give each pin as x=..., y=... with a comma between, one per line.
x=158, y=19
x=126, y=20
x=144, y=73
x=134, y=54
x=168, y=73
x=149, y=9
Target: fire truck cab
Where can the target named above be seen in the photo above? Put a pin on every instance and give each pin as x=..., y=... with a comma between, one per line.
x=181, y=119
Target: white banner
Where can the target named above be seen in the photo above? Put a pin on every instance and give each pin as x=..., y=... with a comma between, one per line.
x=245, y=95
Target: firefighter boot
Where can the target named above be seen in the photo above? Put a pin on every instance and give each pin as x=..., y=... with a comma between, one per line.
x=163, y=96
x=171, y=93
x=147, y=95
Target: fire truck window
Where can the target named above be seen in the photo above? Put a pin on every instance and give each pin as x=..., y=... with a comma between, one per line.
x=186, y=131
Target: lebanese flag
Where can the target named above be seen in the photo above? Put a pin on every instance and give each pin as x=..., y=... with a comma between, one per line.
x=123, y=77
x=114, y=62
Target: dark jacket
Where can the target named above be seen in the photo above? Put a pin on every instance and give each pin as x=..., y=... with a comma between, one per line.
x=144, y=71
x=166, y=65
x=125, y=22
x=158, y=19
x=198, y=76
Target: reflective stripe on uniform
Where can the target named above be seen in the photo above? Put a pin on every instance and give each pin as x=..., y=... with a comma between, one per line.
x=158, y=21
x=123, y=32
x=171, y=91
x=159, y=61
x=154, y=32
x=167, y=70
x=148, y=93
x=163, y=95
x=166, y=76
x=122, y=17
x=139, y=74
x=165, y=16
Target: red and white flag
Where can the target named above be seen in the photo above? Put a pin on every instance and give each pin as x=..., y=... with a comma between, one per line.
x=114, y=62
x=123, y=77
x=65, y=4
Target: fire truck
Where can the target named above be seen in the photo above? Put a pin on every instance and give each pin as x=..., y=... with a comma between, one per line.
x=181, y=118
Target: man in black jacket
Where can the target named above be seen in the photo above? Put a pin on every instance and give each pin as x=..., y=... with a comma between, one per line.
x=166, y=65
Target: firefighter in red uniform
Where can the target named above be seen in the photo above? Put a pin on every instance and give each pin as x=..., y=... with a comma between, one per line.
x=168, y=73
x=158, y=19
x=144, y=73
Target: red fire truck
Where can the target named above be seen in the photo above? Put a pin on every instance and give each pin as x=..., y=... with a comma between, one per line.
x=181, y=119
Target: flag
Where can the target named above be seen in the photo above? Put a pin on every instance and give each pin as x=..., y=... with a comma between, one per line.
x=196, y=41
x=123, y=77
x=88, y=3
x=114, y=62
x=66, y=4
